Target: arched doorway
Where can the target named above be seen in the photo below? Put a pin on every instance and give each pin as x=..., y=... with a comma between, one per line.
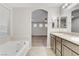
x=39, y=28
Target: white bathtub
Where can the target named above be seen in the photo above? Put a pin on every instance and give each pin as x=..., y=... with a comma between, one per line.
x=14, y=48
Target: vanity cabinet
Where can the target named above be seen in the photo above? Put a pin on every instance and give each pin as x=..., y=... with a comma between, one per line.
x=63, y=47
x=56, y=45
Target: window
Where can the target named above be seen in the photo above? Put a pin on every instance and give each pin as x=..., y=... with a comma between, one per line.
x=40, y=25
x=45, y=25
x=34, y=25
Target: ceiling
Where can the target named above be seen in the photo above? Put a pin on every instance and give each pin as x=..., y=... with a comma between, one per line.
x=13, y=5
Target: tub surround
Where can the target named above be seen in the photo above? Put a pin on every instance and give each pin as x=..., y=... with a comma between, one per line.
x=4, y=39
x=14, y=48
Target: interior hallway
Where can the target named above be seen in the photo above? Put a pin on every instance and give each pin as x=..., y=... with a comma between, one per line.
x=39, y=41
x=39, y=47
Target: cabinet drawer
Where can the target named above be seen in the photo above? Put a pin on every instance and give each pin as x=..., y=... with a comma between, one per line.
x=58, y=45
x=58, y=39
x=74, y=54
x=66, y=51
x=53, y=44
x=72, y=46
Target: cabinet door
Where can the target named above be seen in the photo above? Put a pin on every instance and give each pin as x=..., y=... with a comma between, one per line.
x=53, y=44
x=58, y=46
x=58, y=53
x=66, y=51
x=74, y=54
x=72, y=46
x=58, y=49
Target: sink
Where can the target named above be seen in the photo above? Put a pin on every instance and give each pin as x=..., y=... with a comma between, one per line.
x=75, y=38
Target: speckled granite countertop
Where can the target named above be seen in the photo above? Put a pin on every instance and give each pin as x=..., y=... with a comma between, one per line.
x=72, y=37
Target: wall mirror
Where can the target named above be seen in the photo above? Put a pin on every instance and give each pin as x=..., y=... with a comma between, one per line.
x=53, y=24
x=57, y=22
x=75, y=21
x=63, y=22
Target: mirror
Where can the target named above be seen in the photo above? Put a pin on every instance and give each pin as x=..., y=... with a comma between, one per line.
x=63, y=22
x=53, y=25
x=57, y=22
x=75, y=21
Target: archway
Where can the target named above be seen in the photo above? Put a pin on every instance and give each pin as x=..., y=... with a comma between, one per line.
x=39, y=28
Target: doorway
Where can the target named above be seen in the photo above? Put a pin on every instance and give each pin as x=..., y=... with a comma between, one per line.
x=39, y=28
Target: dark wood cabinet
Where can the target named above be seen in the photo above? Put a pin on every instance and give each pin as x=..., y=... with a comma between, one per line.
x=69, y=48
x=62, y=47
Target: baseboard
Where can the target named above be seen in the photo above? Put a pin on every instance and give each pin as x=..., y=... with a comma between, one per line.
x=39, y=35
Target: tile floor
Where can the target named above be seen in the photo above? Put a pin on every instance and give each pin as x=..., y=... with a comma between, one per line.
x=39, y=47
x=40, y=51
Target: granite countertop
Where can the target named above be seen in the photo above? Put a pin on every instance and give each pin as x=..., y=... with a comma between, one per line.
x=72, y=37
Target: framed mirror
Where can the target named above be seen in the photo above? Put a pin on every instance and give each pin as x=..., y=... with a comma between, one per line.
x=63, y=22
x=75, y=21
x=57, y=22
x=53, y=24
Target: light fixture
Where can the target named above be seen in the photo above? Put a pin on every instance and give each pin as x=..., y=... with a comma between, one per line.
x=65, y=5
x=54, y=18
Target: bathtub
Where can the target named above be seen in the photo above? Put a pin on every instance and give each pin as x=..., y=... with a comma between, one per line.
x=14, y=48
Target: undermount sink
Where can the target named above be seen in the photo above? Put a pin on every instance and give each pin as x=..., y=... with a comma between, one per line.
x=72, y=34
x=75, y=38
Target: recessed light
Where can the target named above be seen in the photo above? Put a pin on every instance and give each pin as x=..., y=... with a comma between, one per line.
x=65, y=5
